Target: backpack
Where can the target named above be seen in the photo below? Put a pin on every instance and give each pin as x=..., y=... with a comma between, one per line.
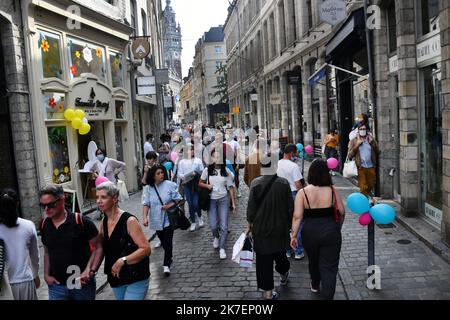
x=78, y=220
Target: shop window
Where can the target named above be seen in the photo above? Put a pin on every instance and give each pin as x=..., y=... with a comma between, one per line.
x=59, y=154
x=120, y=109
x=392, y=28
x=85, y=57
x=119, y=143
x=54, y=105
x=115, y=62
x=428, y=16
x=49, y=47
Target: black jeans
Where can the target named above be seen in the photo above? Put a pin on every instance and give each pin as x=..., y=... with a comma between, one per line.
x=166, y=238
x=322, y=242
x=264, y=268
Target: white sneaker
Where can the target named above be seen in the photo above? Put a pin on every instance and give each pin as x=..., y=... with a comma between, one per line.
x=216, y=243
x=299, y=256
x=201, y=223
x=288, y=254
x=166, y=271
x=223, y=254
x=192, y=227
x=157, y=243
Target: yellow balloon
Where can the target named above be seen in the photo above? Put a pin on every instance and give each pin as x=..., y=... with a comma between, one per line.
x=85, y=128
x=79, y=114
x=76, y=123
x=69, y=114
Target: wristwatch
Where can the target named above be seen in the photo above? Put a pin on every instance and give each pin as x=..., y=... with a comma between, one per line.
x=124, y=259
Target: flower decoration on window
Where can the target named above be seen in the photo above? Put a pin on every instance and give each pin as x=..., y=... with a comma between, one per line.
x=60, y=108
x=55, y=45
x=73, y=70
x=98, y=52
x=44, y=45
x=78, y=54
x=116, y=62
x=52, y=103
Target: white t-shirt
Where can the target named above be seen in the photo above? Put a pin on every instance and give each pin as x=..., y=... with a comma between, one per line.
x=234, y=145
x=147, y=148
x=20, y=243
x=290, y=171
x=219, y=183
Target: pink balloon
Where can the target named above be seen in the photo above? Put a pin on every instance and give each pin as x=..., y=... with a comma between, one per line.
x=173, y=156
x=365, y=219
x=309, y=149
x=100, y=180
x=333, y=163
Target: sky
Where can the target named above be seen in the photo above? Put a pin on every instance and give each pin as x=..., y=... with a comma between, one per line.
x=195, y=18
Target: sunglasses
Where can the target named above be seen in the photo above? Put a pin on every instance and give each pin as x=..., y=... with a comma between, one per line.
x=50, y=205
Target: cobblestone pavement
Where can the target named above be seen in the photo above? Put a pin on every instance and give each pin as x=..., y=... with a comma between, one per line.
x=408, y=271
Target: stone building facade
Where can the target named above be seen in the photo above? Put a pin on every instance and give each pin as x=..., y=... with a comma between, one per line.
x=18, y=168
x=282, y=44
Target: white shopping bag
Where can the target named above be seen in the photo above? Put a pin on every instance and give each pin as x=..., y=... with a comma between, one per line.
x=350, y=170
x=123, y=192
x=246, y=260
x=237, y=248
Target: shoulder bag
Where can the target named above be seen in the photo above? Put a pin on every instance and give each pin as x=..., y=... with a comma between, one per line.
x=204, y=197
x=176, y=215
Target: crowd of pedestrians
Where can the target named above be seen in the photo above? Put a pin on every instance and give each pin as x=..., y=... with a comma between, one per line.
x=287, y=214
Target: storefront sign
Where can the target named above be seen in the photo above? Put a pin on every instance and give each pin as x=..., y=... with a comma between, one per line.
x=393, y=64
x=275, y=99
x=162, y=76
x=433, y=213
x=146, y=86
x=140, y=48
x=333, y=11
x=92, y=107
x=254, y=97
x=429, y=49
x=168, y=102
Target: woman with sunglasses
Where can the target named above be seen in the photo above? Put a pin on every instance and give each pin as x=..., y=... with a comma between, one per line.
x=159, y=195
x=20, y=240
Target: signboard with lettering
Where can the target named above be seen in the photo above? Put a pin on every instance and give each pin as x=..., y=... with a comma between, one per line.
x=433, y=213
x=393, y=64
x=146, y=86
x=162, y=76
x=275, y=99
x=168, y=102
x=254, y=97
x=93, y=97
x=333, y=11
x=429, y=49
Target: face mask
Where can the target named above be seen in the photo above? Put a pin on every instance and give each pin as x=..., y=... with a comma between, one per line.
x=101, y=157
x=362, y=133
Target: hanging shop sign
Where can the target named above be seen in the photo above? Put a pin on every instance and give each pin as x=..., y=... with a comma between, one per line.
x=275, y=99
x=333, y=11
x=162, y=76
x=140, y=48
x=146, y=86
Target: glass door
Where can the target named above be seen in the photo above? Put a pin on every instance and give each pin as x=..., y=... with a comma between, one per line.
x=431, y=144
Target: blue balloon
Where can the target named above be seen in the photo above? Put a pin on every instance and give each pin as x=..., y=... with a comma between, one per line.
x=358, y=203
x=168, y=165
x=382, y=213
x=299, y=147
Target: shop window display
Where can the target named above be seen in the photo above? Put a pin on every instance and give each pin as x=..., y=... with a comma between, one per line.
x=85, y=57
x=120, y=109
x=59, y=154
x=49, y=48
x=115, y=62
x=54, y=104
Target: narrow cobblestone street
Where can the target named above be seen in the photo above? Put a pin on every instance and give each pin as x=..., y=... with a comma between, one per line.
x=408, y=271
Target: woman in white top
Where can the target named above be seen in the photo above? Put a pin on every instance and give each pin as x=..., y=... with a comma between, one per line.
x=188, y=173
x=107, y=167
x=20, y=240
x=219, y=179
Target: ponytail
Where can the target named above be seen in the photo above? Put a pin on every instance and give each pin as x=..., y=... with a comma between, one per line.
x=9, y=201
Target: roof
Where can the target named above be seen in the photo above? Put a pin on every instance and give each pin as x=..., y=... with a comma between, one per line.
x=215, y=34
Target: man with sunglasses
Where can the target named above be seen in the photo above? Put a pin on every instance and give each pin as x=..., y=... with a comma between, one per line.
x=69, y=263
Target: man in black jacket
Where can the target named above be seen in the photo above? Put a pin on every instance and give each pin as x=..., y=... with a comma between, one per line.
x=269, y=214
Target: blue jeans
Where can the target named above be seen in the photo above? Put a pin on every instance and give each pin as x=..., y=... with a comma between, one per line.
x=218, y=219
x=134, y=291
x=299, y=249
x=192, y=199
x=61, y=292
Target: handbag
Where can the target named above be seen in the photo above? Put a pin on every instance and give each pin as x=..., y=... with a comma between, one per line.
x=336, y=212
x=246, y=254
x=204, y=197
x=176, y=215
x=350, y=170
x=123, y=192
